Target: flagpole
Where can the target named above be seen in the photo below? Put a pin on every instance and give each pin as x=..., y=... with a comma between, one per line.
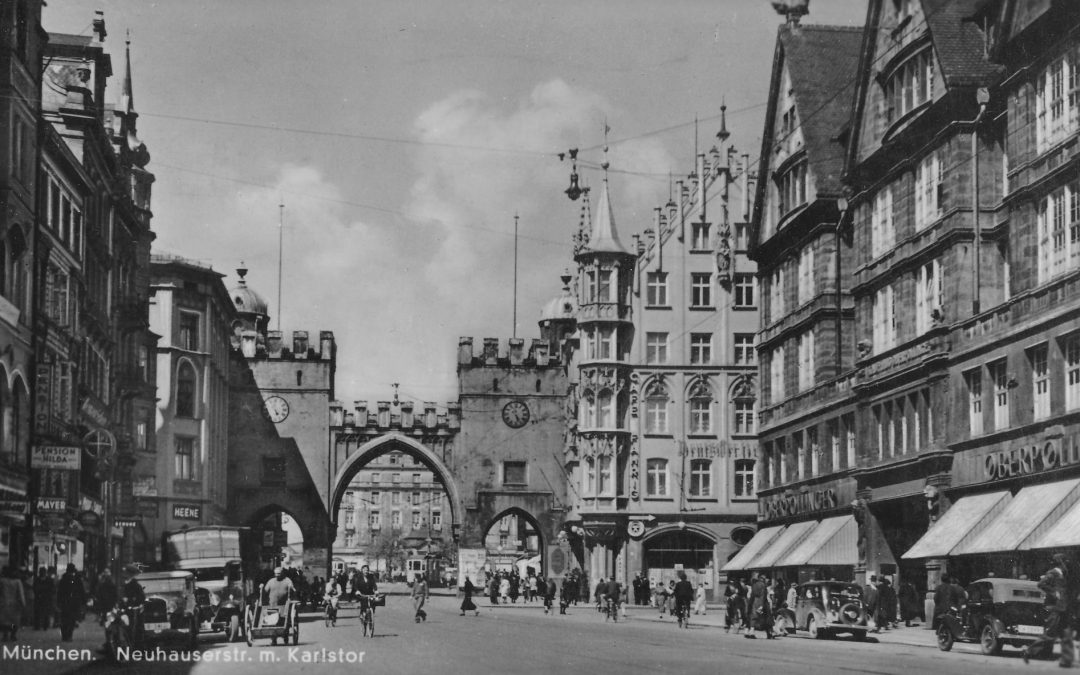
x=514, y=332
x=281, y=236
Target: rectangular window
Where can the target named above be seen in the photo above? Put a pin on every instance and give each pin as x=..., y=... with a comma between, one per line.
x=744, y=348
x=605, y=483
x=656, y=478
x=1000, y=379
x=184, y=468
x=815, y=451
x=776, y=294
x=375, y=477
x=1071, y=353
x=656, y=290
x=928, y=190
x=417, y=520
x=742, y=236
x=884, y=328
x=416, y=478
x=514, y=473
x=800, y=454
x=1040, y=381
x=835, y=445
x=699, y=236
x=882, y=236
x=929, y=290
x=776, y=375
x=606, y=291
x=395, y=520
x=744, y=291
x=744, y=416
x=1058, y=224
x=375, y=498
x=1056, y=104
x=973, y=379
x=806, y=274
x=782, y=459
x=656, y=415
x=700, y=348
x=436, y=520
x=700, y=290
x=395, y=498
x=849, y=439
x=140, y=435
x=806, y=360
x=700, y=478
x=395, y=478
x=605, y=344
x=744, y=478
x=700, y=416
x=656, y=351
x=416, y=499
x=188, y=336
x=791, y=188
x=374, y=520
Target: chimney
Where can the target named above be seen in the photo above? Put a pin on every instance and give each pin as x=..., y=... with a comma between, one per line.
x=491, y=351
x=464, y=351
x=273, y=344
x=99, y=25
x=517, y=351
x=326, y=345
x=541, y=352
x=300, y=344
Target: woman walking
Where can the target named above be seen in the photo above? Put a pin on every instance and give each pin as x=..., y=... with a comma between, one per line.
x=699, y=598
x=467, y=605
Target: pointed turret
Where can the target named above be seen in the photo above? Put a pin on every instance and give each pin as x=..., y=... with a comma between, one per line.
x=605, y=237
x=127, y=99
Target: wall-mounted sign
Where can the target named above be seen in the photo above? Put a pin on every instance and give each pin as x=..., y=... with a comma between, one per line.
x=56, y=457
x=1034, y=458
x=90, y=520
x=793, y=503
x=144, y=486
x=51, y=505
x=635, y=528
x=125, y=522
x=720, y=450
x=187, y=512
x=14, y=508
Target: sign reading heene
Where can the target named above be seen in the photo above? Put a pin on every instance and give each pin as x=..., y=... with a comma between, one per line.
x=793, y=503
x=186, y=511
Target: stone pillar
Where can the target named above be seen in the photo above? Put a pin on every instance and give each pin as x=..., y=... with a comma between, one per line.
x=860, y=508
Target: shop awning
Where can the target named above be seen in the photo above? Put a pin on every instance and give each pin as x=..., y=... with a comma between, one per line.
x=759, y=541
x=831, y=542
x=964, y=520
x=1027, y=518
x=1064, y=532
x=790, y=537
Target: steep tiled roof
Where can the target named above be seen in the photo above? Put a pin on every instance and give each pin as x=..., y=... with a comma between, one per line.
x=823, y=62
x=959, y=42
x=605, y=238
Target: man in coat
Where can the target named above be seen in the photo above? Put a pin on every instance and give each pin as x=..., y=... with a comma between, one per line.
x=70, y=598
x=760, y=612
x=870, y=602
x=1055, y=585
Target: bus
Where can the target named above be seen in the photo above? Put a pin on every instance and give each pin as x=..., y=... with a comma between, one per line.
x=431, y=568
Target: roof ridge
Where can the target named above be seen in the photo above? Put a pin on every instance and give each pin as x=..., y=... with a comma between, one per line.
x=827, y=26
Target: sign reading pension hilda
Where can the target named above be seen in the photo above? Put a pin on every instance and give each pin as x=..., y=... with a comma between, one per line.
x=56, y=457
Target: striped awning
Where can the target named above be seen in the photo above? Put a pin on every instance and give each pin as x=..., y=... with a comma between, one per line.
x=789, y=538
x=759, y=541
x=964, y=520
x=1026, y=519
x=831, y=542
x=1064, y=532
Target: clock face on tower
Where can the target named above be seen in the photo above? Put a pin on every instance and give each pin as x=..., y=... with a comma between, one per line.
x=277, y=408
x=515, y=414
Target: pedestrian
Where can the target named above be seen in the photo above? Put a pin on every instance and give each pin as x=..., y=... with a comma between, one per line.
x=870, y=602
x=504, y=589
x=467, y=604
x=550, y=589
x=515, y=587
x=1055, y=584
x=792, y=596
x=419, y=597
x=646, y=591
x=760, y=612
x=493, y=589
x=669, y=597
x=70, y=599
x=12, y=602
x=660, y=596
x=44, y=599
x=887, y=604
x=736, y=605
x=598, y=593
x=909, y=602
x=636, y=585
x=106, y=596
x=942, y=598
x=699, y=599
x=27, y=579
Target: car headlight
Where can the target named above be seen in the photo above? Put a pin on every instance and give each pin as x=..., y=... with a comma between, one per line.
x=215, y=599
x=171, y=607
x=832, y=616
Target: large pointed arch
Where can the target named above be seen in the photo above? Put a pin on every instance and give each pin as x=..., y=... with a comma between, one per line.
x=383, y=444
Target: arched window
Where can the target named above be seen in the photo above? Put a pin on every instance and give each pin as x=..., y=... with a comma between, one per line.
x=701, y=406
x=185, y=390
x=656, y=408
x=656, y=478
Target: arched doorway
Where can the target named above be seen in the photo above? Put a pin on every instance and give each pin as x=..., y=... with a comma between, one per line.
x=395, y=508
x=281, y=538
x=514, y=542
x=675, y=549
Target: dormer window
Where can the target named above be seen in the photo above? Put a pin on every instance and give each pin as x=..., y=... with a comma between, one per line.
x=910, y=85
x=791, y=188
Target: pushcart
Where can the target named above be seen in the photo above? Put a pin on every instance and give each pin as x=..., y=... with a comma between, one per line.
x=274, y=622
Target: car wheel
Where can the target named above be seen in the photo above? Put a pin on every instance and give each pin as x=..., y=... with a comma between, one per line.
x=249, y=620
x=944, y=638
x=812, y=628
x=989, y=642
x=193, y=641
x=234, y=628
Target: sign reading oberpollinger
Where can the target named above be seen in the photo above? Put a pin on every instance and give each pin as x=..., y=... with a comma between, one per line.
x=65, y=457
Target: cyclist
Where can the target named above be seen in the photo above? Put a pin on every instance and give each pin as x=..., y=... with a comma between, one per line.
x=331, y=596
x=365, y=588
x=612, y=593
x=684, y=596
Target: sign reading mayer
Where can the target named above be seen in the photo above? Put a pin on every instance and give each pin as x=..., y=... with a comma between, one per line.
x=56, y=457
x=186, y=511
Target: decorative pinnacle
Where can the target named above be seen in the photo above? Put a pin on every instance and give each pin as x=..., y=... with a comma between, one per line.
x=723, y=134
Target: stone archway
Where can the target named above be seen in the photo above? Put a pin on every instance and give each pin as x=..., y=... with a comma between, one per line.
x=381, y=445
x=516, y=511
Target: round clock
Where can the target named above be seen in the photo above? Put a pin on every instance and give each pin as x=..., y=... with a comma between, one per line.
x=277, y=408
x=515, y=414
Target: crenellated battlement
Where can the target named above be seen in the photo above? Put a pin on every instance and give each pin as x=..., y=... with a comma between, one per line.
x=508, y=353
x=407, y=417
x=274, y=346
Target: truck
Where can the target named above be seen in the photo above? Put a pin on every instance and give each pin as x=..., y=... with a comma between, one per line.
x=225, y=561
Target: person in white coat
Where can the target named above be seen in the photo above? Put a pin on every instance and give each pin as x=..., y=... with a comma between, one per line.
x=699, y=598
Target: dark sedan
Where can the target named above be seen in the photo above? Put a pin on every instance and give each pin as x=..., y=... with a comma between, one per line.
x=998, y=612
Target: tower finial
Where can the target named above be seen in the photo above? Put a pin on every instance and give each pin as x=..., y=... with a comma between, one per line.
x=723, y=134
x=605, y=164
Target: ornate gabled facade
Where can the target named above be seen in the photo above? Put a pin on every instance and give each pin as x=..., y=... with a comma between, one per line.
x=807, y=435
x=662, y=455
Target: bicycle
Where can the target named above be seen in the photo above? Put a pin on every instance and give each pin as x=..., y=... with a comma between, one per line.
x=330, y=615
x=611, y=610
x=367, y=615
x=682, y=613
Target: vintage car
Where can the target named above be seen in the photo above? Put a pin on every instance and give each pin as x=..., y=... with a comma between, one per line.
x=998, y=612
x=219, y=599
x=169, y=609
x=825, y=608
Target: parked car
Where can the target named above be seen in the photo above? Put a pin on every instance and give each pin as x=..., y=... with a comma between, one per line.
x=168, y=614
x=998, y=612
x=219, y=600
x=825, y=609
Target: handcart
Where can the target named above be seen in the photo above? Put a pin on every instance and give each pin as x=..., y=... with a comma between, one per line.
x=274, y=622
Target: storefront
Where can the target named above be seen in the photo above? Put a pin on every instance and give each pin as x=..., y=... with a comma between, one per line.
x=1015, y=503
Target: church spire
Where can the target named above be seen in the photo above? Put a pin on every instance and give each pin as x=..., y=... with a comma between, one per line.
x=127, y=98
x=605, y=237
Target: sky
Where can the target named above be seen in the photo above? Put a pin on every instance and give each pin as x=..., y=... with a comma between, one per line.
x=404, y=136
